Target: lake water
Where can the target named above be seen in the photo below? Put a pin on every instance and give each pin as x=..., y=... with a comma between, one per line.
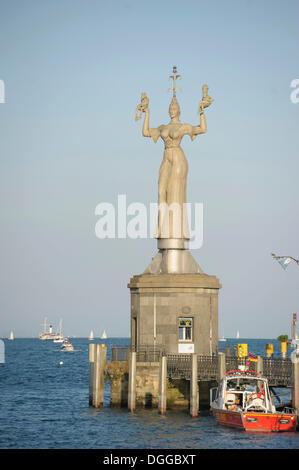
x=44, y=405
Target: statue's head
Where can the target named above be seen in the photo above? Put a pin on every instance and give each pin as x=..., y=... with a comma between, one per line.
x=174, y=108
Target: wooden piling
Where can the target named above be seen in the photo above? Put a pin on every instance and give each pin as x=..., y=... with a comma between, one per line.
x=221, y=366
x=260, y=365
x=295, y=382
x=194, y=387
x=162, y=385
x=100, y=353
x=91, y=372
x=132, y=382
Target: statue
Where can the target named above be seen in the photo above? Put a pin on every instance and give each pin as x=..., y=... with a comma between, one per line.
x=174, y=167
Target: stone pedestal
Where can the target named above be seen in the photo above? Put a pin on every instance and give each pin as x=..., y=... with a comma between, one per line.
x=159, y=302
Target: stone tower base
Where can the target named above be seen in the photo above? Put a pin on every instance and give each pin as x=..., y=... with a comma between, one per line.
x=161, y=302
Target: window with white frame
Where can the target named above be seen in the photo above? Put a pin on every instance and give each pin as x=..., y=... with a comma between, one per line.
x=185, y=329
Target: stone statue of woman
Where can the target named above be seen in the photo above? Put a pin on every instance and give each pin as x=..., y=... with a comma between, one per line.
x=174, y=167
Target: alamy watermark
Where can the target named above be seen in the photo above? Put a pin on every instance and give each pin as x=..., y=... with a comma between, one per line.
x=294, y=97
x=139, y=221
x=2, y=92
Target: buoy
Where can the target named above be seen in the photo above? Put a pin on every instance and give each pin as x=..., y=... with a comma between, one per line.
x=61, y=362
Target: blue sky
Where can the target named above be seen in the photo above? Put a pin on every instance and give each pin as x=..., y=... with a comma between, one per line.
x=73, y=72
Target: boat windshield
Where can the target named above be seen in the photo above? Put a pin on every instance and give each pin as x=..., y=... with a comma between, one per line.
x=242, y=384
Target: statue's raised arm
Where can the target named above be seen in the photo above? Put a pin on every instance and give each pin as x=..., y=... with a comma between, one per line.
x=205, y=102
x=143, y=108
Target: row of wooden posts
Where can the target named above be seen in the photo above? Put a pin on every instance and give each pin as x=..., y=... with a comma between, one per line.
x=97, y=363
x=162, y=401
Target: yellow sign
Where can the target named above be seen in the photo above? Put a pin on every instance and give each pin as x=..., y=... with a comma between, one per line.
x=242, y=350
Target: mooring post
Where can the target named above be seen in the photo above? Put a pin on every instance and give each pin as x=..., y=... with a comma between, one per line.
x=162, y=385
x=132, y=382
x=102, y=369
x=194, y=399
x=99, y=374
x=260, y=365
x=283, y=349
x=294, y=325
x=221, y=366
x=91, y=372
x=295, y=384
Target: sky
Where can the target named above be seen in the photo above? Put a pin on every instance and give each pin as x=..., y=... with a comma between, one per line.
x=74, y=71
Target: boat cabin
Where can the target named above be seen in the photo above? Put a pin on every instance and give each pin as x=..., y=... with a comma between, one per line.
x=244, y=391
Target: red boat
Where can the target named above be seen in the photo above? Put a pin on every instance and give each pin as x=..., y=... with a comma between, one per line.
x=243, y=401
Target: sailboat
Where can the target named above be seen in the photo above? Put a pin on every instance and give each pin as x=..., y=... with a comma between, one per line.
x=222, y=338
x=91, y=336
x=11, y=336
x=67, y=345
x=104, y=335
x=238, y=335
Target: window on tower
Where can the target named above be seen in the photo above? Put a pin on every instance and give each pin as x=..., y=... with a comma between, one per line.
x=185, y=329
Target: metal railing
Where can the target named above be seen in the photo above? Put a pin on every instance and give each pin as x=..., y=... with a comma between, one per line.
x=207, y=367
x=120, y=353
x=179, y=366
x=144, y=353
x=278, y=371
x=147, y=353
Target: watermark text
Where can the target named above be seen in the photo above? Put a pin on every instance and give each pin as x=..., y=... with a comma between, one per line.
x=136, y=220
x=294, y=97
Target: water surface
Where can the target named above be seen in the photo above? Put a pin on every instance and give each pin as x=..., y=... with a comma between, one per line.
x=45, y=405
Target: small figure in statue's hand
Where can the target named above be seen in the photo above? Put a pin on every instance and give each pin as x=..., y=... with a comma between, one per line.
x=142, y=106
x=206, y=99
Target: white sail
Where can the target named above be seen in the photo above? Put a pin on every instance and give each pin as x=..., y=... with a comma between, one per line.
x=11, y=336
x=222, y=338
x=104, y=335
x=238, y=335
x=91, y=335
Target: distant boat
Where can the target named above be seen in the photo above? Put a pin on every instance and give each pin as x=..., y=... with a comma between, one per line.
x=50, y=335
x=91, y=336
x=11, y=336
x=104, y=335
x=238, y=335
x=67, y=345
